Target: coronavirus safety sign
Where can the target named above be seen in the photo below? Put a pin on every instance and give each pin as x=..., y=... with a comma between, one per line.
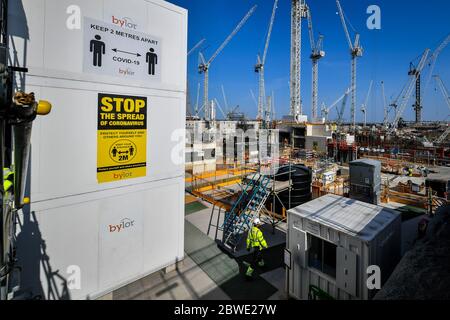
x=115, y=50
x=121, y=137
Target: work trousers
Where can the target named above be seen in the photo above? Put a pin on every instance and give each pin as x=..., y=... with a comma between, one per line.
x=256, y=257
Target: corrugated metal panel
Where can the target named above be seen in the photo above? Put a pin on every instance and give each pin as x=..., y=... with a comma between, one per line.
x=336, y=219
x=346, y=273
x=356, y=218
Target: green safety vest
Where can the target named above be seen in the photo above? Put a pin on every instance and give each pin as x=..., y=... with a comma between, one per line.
x=8, y=177
x=255, y=238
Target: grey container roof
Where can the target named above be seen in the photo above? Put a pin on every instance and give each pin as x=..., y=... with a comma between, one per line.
x=366, y=162
x=355, y=218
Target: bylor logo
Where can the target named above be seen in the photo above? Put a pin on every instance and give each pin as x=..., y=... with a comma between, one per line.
x=122, y=175
x=124, y=224
x=124, y=22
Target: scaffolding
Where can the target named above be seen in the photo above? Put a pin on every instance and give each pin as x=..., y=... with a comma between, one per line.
x=250, y=202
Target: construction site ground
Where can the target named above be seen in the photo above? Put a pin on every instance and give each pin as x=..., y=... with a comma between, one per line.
x=209, y=273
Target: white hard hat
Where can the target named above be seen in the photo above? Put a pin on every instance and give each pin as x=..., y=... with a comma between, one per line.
x=256, y=221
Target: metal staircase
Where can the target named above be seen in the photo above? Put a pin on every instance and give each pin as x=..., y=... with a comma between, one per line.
x=240, y=218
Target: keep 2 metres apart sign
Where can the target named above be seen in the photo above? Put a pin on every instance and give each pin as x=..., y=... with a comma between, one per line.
x=115, y=50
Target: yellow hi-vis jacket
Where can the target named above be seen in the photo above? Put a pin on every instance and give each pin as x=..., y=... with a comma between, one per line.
x=8, y=177
x=255, y=238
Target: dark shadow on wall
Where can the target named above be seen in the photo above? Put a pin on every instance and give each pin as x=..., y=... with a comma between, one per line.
x=34, y=276
x=37, y=279
x=18, y=28
x=33, y=259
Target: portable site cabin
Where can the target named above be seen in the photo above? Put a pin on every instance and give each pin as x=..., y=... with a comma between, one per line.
x=331, y=242
x=365, y=180
x=106, y=177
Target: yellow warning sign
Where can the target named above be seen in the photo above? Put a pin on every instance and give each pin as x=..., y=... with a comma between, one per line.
x=121, y=137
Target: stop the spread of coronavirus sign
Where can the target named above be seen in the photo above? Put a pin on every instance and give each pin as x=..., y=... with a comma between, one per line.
x=121, y=137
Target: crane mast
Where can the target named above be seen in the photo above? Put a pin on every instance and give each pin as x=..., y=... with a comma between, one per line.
x=385, y=106
x=268, y=109
x=204, y=66
x=366, y=102
x=356, y=51
x=298, y=12
x=196, y=102
x=316, y=54
x=408, y=91
x=418, y=103
x=260, y=64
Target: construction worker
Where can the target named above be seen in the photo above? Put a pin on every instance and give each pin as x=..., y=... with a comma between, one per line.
x=8, y=177
x=255, y=241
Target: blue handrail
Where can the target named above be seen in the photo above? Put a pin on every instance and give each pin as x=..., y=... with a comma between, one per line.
x=237, y=222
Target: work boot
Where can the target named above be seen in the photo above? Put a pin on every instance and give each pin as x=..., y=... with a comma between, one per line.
x=249, y=272
x=261, y=263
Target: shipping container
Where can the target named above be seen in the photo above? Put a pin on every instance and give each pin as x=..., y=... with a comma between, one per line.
x=331, y=242
x=106, y=177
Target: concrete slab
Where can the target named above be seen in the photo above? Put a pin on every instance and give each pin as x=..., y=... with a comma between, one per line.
x=201, y=220
x=189, y=281
x=186, y=282
x=276, y=278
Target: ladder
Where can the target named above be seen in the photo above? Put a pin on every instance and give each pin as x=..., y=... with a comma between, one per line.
x=240, y=218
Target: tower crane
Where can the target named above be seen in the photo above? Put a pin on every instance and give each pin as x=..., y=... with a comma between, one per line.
x=408, y=91
x=224, y=98
x=443, y=89
x=414, y=72
x=434, y=56
x=220, y=109
x=272, y=113
x=268, y=110
x=447, y=100
x=205, y=65
x=340, y=118
x=298, y=12
x=260, y=64
x=418, y=103
x=252, y=94
x=196, y=47
x=325, y=111
x=366, y=102
x=316, y=54
x=356, y=51
x=188, y=100
x=385, y=106
x=443, y=136
x=196, y=102
x=394, y=104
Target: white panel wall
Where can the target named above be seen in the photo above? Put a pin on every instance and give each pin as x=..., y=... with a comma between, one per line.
x=73, y=212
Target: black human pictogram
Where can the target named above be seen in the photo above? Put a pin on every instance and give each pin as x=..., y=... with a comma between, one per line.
x=114, y=152
x=131, y=151
x=152, y=60
x=98, y=49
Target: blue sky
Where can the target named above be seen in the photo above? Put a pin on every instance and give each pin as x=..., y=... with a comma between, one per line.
x=407, y=28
